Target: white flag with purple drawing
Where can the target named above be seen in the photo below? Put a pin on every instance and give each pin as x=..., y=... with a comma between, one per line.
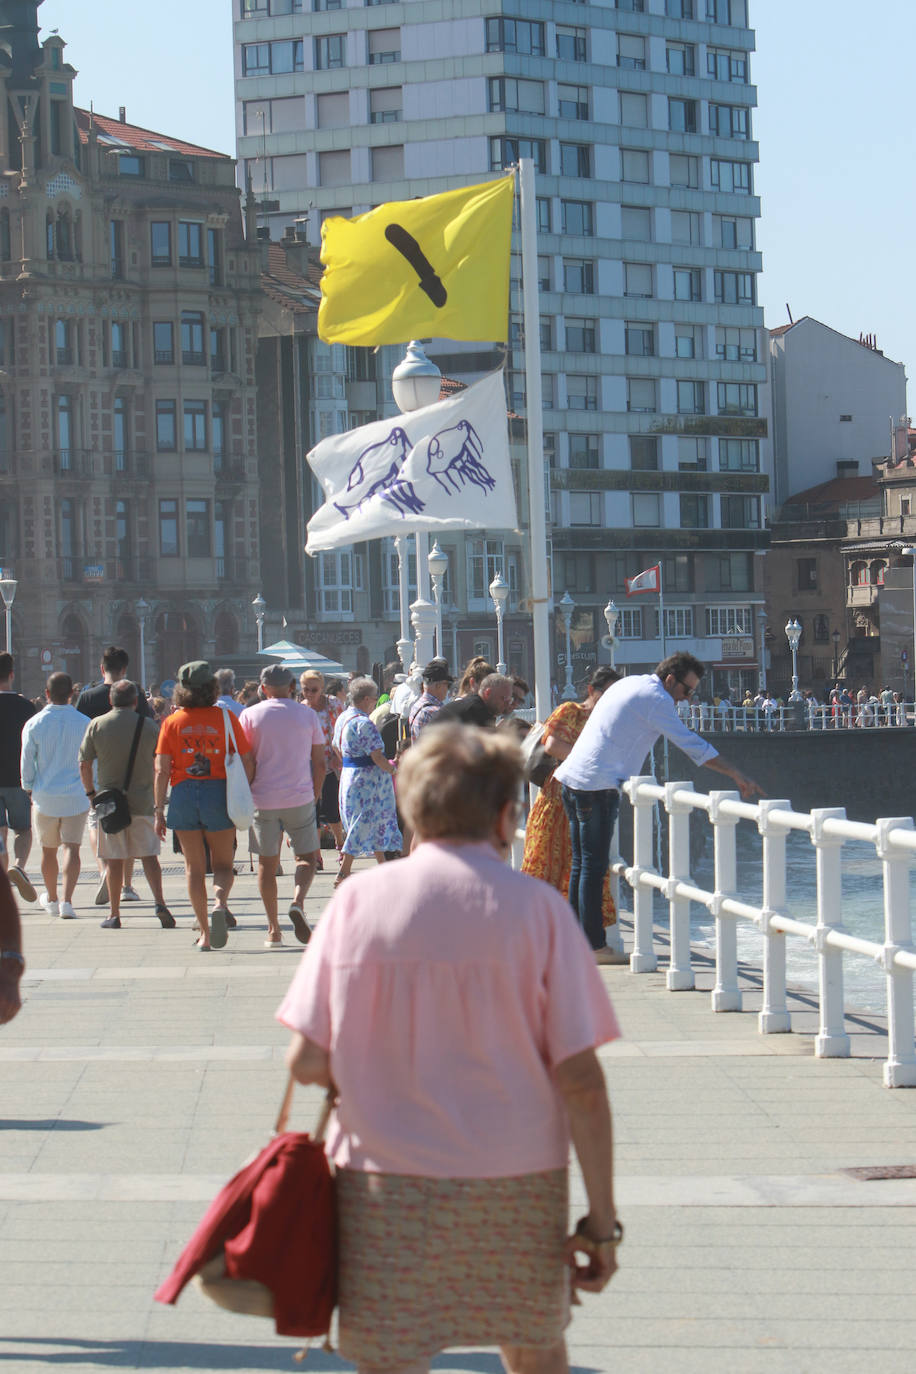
x=445, y=467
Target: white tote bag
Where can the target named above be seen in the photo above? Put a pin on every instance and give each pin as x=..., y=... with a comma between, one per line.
x=239, y=802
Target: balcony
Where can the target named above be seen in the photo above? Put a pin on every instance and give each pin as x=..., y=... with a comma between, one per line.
x=87, y=571
x=119, y=357
x=862, y=595
x=229, y=470
x=163, y=355
x=70, y=462
x=128, y=463
x=193, y=357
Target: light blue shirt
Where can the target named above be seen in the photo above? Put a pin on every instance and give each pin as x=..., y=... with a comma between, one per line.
x=230, y=704
x=50, y=760
x=620, y=731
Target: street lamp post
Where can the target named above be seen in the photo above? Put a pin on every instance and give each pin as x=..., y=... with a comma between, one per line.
x=763, y=648
x=415, y=383
x=793, y=635
x=404, y=646
x=260, y=606
x=142, y=608
x=8, y=587
x=910, y=552
x=567, y=606
x=438, y=567
x=611, y=615
x=499, y=590
x=836, y=656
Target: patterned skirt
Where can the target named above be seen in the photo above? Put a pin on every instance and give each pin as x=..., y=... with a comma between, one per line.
x=431, y=1263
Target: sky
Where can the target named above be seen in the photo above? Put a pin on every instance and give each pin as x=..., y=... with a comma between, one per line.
x=834, y=125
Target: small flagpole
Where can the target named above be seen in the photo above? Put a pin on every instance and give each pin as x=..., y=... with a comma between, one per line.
x=661, y=620
x=534, y=416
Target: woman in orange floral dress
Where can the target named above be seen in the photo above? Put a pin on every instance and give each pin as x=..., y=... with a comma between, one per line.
x=548, y=850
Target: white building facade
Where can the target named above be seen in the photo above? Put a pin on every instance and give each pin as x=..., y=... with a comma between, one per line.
x=639, y=120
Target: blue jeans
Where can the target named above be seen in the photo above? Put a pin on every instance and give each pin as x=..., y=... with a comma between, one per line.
x=591, y=818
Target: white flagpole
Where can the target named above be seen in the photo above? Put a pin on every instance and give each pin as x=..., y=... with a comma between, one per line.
x=537, y=505
x=661, y=611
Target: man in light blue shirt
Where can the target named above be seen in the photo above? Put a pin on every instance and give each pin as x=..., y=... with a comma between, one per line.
x=225, y=681
x=50, y=774
x=619, y=733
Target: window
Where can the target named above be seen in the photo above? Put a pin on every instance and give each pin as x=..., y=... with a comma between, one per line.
x=180, y=169
x=735, y=288
x=516, y=35
x=584, y=451
x=636, y=223
x=195, y=426
x=691, y=398
x=679, y=622
x=692, y=454
x=64, y=336
x=163, y=341
x=334, y=168
x=585, y=508
x=130, y=165
x=218, y=433
x=637, y=279
x=739, y=455
x=197, y=528
x=577, y=217
x=737, y=398
x=729, y=620
x=683, y=170
x=681, y=59
x=219, y=353
x=722, y=64
x=330, y=51
x=215, y=257
x=122, y=532
x=579, y=276
x=166, y=427
x=632, y=6
x=7, y=343
x=647, y=508
x=512, y=93
x=336, y=583
x=729, y=572
x=727, y=12
x=685, y=227
x=168, y=528
x=730, y=121
x=578, y=571
x=542, y=214
x=388, y=163
x=506, y=151
x=581, y=392
x=255, y=59
x=679, y=9
x=631, y=52
x=572, y=43
x=332, y=109
x=806, y=574
x=688, y=284
x=639, y=340
x=736, y=345
x=694, y=510
x=643, y=453
x=575, y=160
x=517, y=333
x=385, y=105
x=384, y=46
x=734, y=177
x=65, y=432
x=160, y=233
x=682, y=116
x=629, y=625
x=641, y=395
x=821, y=627
x=634, y=165
x=116, y=247
x=634, y=109
x=190, y=244
x=739, y=512
x=486, y=558
x=581, y=335
x=119, y=343
x=688, y=341
x=318, y=5
x=733, y=231
x=192, y=338
x=572, y=102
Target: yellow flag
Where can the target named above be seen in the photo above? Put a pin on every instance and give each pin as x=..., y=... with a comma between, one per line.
x=413, y=269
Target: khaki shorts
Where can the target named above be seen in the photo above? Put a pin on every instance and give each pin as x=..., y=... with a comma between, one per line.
x=57, y=830
x=138, y=841
x=267, y=829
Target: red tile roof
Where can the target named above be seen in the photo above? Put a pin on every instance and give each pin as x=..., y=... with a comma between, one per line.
x=838, y=490
x=136, y=139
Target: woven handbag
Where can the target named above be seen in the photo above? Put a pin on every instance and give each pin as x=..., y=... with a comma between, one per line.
x=239, y=802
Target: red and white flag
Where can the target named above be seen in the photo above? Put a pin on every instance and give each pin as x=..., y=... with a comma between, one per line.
x=648, y=581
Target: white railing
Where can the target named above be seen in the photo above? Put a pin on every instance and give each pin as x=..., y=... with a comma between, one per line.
x=894, y=839
x=706, y=718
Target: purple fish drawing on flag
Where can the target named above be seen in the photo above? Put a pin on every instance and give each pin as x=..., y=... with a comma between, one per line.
x=365, y=480
x=453, y=458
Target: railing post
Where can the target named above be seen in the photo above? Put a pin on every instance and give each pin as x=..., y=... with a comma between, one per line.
x=680, y=971
x=900, y=1066
x=774, y=1015
x=726, y=995
x=613, y=936
x=643, y=959
x=831, y=1041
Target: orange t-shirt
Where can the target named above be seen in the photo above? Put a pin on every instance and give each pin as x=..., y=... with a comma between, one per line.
x=195, y=740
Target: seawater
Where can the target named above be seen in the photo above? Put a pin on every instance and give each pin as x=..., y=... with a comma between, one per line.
x=862, y=911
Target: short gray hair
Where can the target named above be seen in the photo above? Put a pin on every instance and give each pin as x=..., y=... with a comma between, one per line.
x=493, y=680
x=361, y=687
x=225, y=681
x=123, y=692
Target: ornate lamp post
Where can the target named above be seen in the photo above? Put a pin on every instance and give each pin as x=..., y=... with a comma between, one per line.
x=567, y=606
x=611, y=615
x=404, y=645
x=142, y=608
x=437, y=561
x=8, y=587
x=260, y=606
x=793, y=635
x=416, y=383
x=499, y=590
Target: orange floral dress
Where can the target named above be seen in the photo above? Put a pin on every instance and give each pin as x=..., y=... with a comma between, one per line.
x=548, y=849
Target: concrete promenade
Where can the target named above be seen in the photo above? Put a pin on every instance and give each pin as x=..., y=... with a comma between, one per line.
x=140, y=1074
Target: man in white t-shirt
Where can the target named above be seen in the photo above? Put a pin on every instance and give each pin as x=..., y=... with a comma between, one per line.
x=288, y=745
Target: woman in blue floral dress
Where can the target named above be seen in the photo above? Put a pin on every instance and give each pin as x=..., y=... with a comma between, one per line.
x=366, y=791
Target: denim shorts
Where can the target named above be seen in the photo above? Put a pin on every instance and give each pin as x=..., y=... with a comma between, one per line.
x=15, y=810
x=199, y=805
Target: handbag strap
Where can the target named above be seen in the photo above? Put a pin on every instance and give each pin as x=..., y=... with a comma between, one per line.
x=133, y=752
x=230, y=734
x=327, y=1105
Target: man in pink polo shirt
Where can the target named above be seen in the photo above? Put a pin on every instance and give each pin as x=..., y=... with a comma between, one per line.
x=287, y=742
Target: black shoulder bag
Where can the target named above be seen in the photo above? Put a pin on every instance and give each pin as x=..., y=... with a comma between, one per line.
x=111, y=803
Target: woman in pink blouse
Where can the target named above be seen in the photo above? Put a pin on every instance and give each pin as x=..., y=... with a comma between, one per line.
x=456, y=1007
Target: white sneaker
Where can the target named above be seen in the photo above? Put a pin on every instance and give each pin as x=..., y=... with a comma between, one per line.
x=130, y=894
x=52, y=908
x=66, y=911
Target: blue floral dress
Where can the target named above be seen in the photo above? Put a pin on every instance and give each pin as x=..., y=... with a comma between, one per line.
x=366, y=793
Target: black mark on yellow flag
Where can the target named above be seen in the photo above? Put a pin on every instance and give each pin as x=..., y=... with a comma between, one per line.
x=407, y=245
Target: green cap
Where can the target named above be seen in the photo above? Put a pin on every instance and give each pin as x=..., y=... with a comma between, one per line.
x=195, y=674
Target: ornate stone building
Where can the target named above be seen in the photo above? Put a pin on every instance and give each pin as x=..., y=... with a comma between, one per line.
x=128, y=320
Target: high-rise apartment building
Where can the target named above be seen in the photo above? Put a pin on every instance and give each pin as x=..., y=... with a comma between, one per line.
x=639, y=119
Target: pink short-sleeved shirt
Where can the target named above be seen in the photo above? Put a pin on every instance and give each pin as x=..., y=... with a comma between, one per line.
x=282, y=733
x=445, y=988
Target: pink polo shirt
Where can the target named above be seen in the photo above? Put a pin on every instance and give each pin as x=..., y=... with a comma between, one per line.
x=445, y=987
x=282, y=733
